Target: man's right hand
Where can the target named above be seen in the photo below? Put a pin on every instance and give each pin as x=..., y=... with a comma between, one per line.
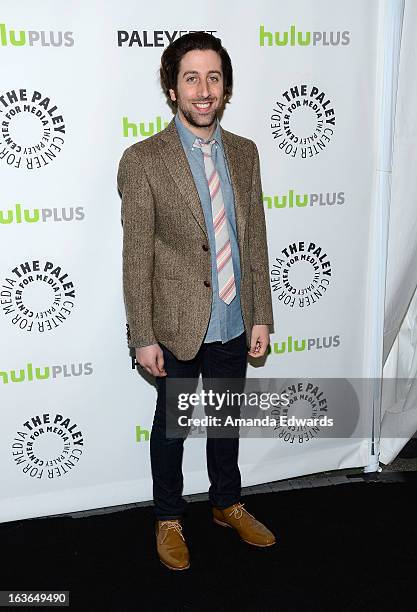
x=151, y=358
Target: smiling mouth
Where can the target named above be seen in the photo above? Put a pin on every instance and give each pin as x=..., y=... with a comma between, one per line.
x=202, y=106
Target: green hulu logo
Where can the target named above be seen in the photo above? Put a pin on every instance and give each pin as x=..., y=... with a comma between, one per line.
x=142, y=432
x=282, y=39
x=143, y=129
x=19, y=215
x=28, y=374
x=15, y=38
x=293, y=38
x=286, y=346
x=286, y=201
x=297, y=345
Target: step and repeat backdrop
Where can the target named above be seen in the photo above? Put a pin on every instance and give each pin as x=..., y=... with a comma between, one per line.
x=80, y=84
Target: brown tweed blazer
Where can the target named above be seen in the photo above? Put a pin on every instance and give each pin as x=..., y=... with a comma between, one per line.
x=166, y=255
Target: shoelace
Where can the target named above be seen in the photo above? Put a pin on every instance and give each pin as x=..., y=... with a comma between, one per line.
x=172, y=525
x=238, y=511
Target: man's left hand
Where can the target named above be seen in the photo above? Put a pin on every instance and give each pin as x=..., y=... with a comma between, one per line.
x=259, y=340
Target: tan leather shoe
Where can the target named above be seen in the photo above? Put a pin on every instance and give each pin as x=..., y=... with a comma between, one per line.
x=249, y=529
x=171, y=546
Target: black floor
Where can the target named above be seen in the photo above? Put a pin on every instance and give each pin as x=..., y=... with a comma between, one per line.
x=347, y=547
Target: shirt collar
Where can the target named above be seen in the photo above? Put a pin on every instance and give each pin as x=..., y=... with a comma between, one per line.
x=188, y=138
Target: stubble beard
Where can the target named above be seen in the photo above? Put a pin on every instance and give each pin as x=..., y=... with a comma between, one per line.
x=200, y=121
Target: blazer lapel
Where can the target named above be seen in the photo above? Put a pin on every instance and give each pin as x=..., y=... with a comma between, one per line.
x=177, y=164
x=241, y=177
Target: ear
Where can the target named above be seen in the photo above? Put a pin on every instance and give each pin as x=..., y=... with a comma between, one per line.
x=172, y=95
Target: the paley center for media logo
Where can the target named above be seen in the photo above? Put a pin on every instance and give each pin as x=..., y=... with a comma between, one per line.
x=32, y=129
x=300, y=420
x=302, y=121
x=301, y=274
x=37, y=296
x=47, y=446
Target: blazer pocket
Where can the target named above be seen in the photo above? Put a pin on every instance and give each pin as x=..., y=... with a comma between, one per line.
x=166, y=300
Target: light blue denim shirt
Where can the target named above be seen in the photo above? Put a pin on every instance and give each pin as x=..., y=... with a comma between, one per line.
x=226, y=320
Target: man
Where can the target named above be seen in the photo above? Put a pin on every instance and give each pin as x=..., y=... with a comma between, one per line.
x=195, y=273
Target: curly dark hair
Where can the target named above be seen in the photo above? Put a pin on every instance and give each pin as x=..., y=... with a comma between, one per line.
x=171, y=57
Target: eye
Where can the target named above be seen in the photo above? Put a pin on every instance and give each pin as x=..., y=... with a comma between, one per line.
x=190, y=78
x=214, y=78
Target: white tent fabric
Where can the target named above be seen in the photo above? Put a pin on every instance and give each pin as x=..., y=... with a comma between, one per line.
x=400, y=335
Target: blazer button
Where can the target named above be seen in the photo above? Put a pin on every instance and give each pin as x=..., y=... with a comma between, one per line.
x=205, y=247
x=207, y=283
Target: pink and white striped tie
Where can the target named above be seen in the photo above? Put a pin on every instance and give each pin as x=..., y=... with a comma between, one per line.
x=226, y=277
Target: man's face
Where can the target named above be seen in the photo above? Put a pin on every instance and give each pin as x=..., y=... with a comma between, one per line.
x=200, y=88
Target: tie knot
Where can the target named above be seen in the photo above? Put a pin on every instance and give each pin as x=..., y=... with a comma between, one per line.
x=204, y=146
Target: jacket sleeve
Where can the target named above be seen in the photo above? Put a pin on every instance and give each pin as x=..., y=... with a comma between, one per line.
x=137, y=211
x=258, y=251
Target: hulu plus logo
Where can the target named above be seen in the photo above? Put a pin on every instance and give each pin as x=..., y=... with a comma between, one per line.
x=33, y=373
x=143, y=129
x=296, y=38
x=18, y=214
x=292, y=199
x=299, y=345
x=32, y=38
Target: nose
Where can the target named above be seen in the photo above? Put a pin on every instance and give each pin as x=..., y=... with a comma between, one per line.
x=203, y=89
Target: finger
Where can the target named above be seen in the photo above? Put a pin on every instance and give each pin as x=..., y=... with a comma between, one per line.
x=156, y=371
x=160, y=362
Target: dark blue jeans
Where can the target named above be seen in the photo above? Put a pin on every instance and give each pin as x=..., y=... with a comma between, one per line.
x=215, y=360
